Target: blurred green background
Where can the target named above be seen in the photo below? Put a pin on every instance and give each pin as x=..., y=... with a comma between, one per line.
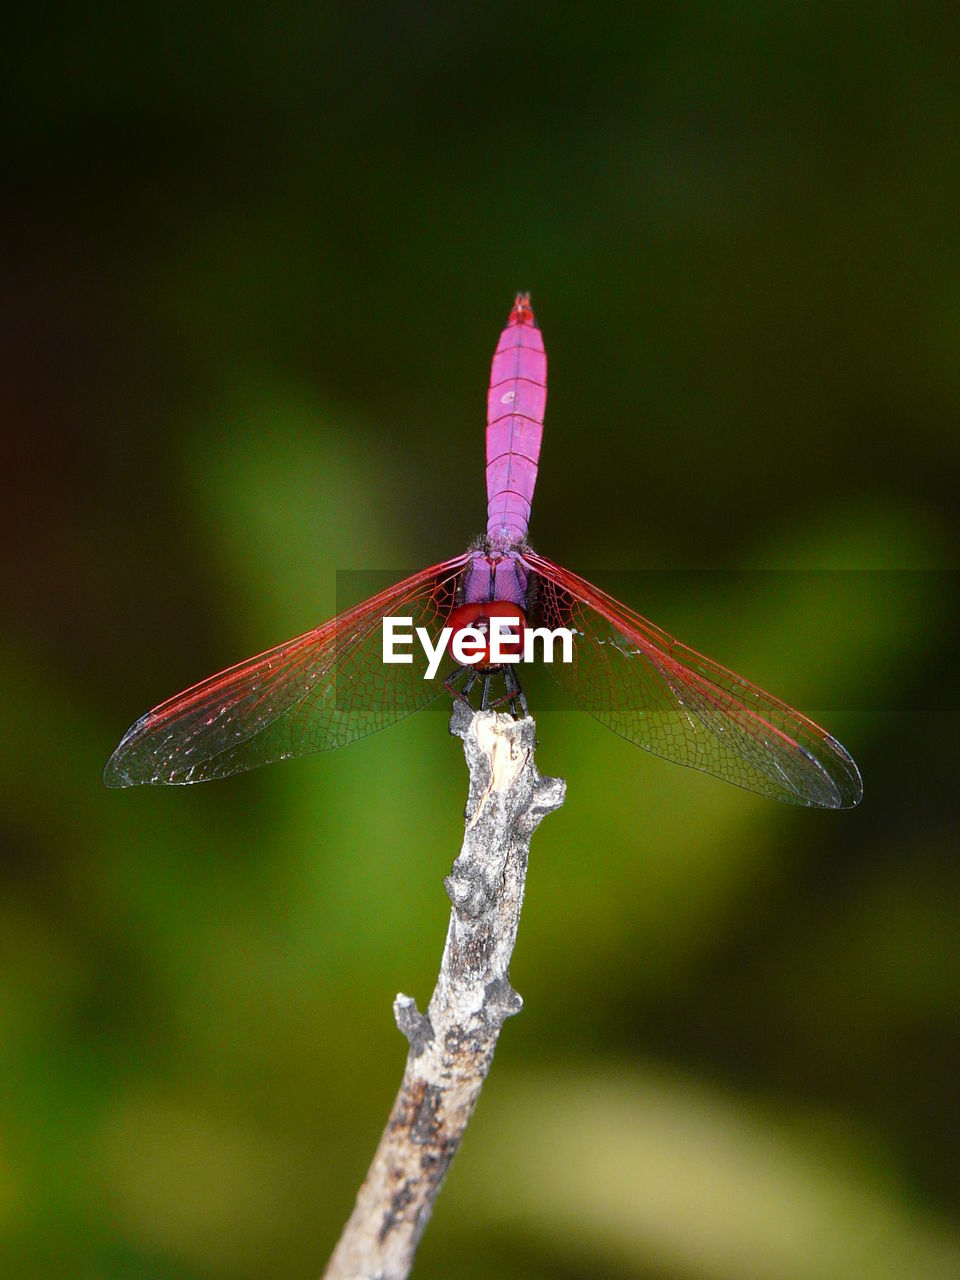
x=256, y=261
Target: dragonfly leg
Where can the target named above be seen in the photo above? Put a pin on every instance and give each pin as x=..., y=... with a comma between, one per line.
x=469, y=675
x=512, y=694
x=451, y=682
x=518, y=701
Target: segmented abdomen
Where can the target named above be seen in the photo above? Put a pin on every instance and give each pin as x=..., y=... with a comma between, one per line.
x=515, y=405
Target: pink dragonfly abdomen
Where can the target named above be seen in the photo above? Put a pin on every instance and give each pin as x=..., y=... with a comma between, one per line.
x=515, y=406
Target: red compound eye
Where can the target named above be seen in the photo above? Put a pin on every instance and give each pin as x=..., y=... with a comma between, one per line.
x=478, y=615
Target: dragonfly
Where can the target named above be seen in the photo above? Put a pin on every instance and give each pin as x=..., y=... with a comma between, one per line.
x=331, y=686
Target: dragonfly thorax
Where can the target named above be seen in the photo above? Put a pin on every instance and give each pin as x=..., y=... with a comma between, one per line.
x=495, y=575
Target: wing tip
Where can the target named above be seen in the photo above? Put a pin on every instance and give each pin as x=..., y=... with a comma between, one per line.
x=850, y=785
x=838, y=771
x=114, y=777
x=117, y=772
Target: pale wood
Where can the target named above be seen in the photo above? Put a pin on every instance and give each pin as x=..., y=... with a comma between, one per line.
x=451, y=1046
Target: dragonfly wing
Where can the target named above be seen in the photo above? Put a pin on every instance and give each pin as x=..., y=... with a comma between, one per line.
x=654, y=691
x=318, y=691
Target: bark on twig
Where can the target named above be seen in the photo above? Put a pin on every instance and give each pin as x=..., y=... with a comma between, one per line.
x=451, y=1046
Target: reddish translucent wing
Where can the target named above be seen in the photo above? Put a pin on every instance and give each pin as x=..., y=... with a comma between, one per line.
x=318, y=691
x=654, y=691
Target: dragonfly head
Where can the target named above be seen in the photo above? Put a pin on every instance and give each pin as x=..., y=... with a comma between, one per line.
x=478, y=616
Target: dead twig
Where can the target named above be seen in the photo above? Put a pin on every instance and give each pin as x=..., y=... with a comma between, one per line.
x=451, y=1046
